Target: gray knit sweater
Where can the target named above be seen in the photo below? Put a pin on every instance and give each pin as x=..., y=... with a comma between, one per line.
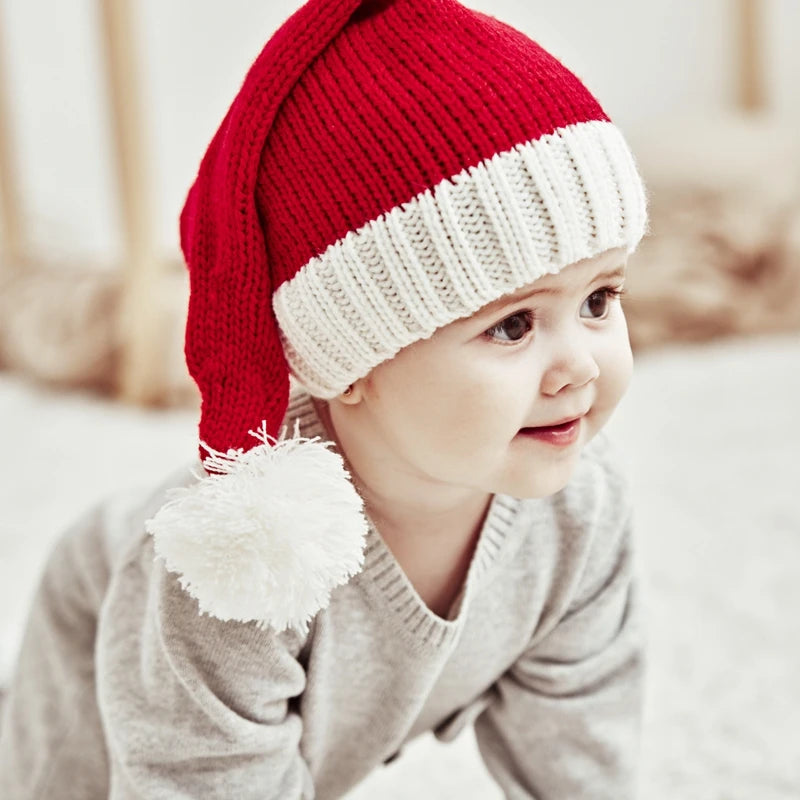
x=124, y=691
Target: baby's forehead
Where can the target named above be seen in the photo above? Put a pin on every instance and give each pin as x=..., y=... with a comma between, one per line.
x=608, y=266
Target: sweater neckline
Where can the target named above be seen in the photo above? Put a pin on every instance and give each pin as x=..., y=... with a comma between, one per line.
x=384, y=578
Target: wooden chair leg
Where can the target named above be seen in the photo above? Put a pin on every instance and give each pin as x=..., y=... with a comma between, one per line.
x=750, y=49
x=141, y=316
x=11, y=225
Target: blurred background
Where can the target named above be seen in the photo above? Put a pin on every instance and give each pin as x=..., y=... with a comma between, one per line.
x=106, y=107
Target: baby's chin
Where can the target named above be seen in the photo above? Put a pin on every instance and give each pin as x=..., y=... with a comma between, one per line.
x=538, y=492
x=538, y=484
x=552, y=478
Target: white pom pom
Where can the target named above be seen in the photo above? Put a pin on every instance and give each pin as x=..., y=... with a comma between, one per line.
x=269, y=538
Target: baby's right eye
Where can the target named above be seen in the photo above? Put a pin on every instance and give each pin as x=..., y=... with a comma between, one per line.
x=512, y=329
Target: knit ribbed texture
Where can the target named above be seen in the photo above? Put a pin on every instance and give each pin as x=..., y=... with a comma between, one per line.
x=415, y=158
x=447, y=253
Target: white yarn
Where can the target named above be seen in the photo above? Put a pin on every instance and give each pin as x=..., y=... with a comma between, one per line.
x=454, y=248
x=267, y=535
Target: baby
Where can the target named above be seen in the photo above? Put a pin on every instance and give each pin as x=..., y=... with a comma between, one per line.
x=424, y=218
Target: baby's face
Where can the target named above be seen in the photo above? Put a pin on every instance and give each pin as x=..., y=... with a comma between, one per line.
x=460, y=407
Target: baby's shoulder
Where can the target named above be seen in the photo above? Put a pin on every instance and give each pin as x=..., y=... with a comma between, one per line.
x=86, y=556
x=126, y=511
x=114, y=523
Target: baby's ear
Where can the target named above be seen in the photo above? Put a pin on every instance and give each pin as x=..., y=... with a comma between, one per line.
x=353, y=394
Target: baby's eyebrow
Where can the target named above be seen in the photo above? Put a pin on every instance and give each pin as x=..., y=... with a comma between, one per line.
x=619, y=272
x=608, y=275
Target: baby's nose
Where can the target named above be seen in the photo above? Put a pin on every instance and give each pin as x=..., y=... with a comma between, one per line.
x=573, y=364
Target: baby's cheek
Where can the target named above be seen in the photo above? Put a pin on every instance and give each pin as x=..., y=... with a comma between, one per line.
x=461, y=431
x=623, y=371
x=616, y=371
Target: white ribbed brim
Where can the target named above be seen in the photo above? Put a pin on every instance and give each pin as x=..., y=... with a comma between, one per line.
x=449, y=251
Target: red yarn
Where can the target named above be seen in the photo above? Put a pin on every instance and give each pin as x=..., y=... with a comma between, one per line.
x=341, y=118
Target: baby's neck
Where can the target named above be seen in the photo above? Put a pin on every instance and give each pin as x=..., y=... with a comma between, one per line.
x=454, y=524
x=404, y=508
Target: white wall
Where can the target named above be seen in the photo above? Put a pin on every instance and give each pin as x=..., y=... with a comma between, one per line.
x=642, y=59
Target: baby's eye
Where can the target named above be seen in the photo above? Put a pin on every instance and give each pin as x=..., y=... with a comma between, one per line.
x=512, y=329
x=598, y=302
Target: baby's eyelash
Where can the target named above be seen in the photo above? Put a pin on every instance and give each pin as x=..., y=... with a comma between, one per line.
x=526, y=316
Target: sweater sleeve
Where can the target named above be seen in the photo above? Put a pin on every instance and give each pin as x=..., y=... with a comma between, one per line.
x=193, y=707
x=565, y=718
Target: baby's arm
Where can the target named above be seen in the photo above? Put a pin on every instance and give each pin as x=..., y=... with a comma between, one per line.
x=193, y=707
x=565, y=718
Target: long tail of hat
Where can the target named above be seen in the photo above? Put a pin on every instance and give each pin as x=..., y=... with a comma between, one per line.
x=223, y=240
x=270, y=530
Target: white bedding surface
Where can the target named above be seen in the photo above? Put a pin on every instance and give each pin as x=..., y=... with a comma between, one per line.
x=712, y=436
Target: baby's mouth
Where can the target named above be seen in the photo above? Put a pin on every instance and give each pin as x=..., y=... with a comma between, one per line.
x=562, y=426
x=562, y=434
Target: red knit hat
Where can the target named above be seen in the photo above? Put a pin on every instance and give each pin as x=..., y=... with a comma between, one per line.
x=388, y=167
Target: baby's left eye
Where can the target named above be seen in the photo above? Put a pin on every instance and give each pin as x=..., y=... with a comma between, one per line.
x=598, y=302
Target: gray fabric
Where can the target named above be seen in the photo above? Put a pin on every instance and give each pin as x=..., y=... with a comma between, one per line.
x=123, y=690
